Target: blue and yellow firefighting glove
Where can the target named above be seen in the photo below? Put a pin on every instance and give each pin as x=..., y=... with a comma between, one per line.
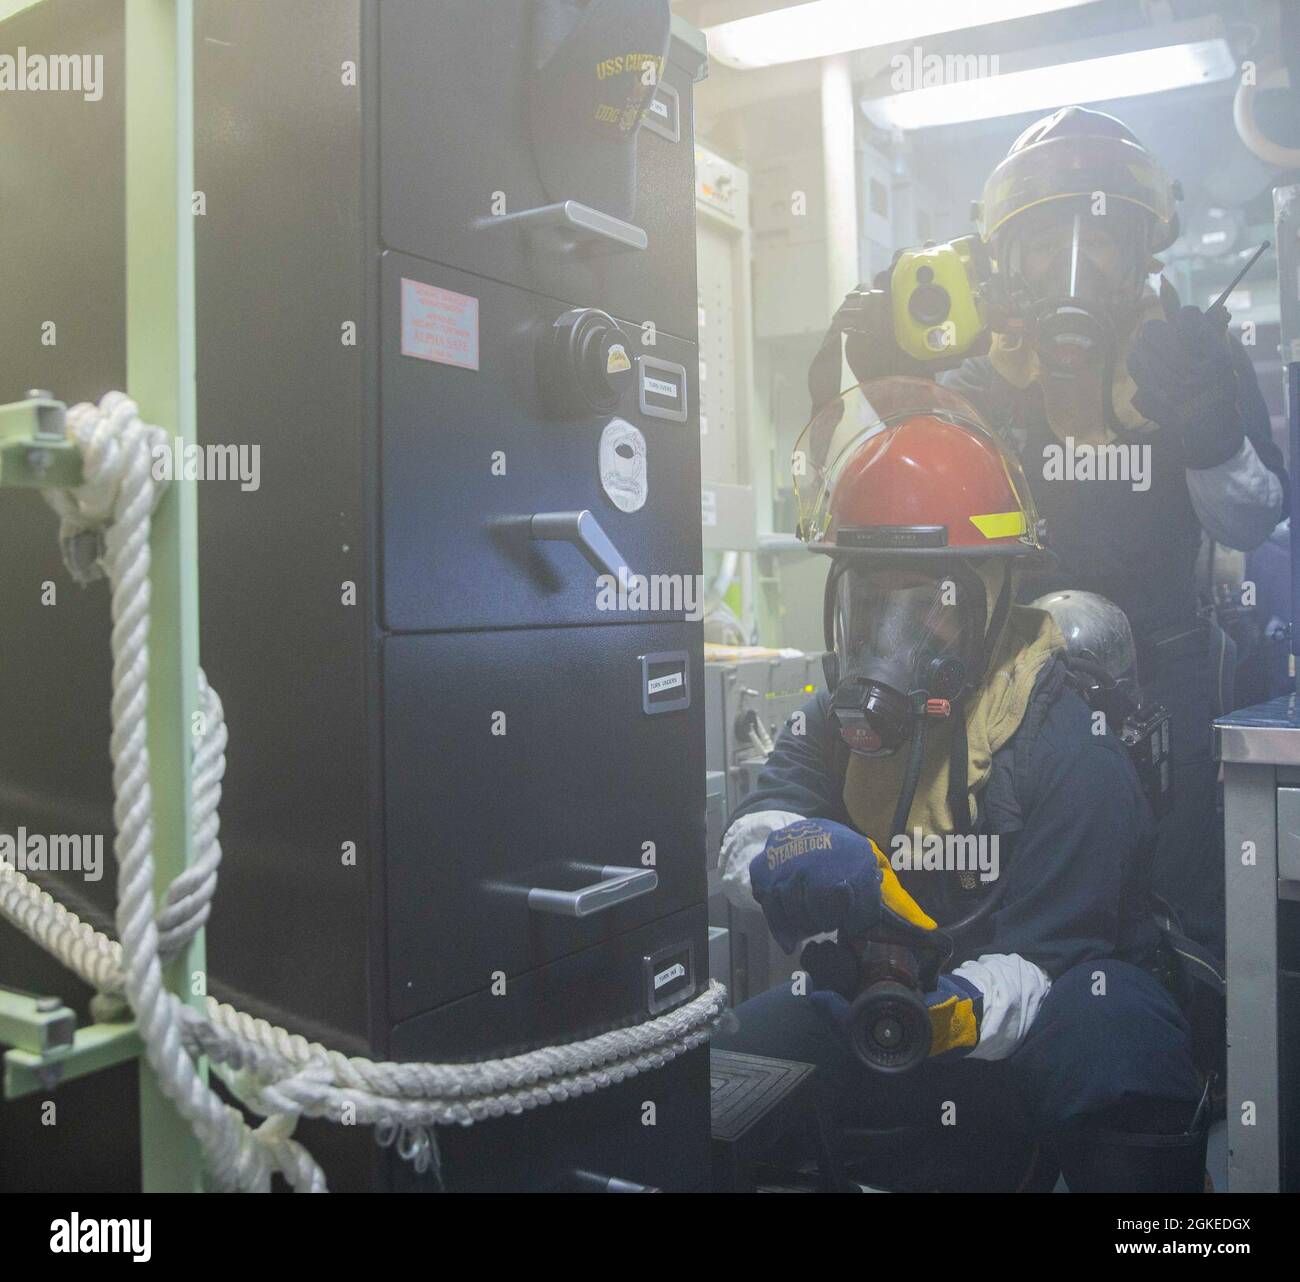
x=1186, y=381
x=818, y=876
x=956, y=1008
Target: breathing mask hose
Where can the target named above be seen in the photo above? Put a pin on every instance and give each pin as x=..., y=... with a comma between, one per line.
x=1091, y=669
x=959, y=804
x=912, y=778
x=973, y=918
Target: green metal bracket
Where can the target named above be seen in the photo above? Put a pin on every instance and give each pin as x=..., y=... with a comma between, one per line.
x=38, y=1025
x=95, y=1047
x=696, y=45
x=49, y=1048
x=34, y=452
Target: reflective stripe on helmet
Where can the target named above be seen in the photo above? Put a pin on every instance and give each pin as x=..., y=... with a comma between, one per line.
x=1001, y=525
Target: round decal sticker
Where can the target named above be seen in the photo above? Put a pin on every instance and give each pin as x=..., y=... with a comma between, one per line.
x=623, y=465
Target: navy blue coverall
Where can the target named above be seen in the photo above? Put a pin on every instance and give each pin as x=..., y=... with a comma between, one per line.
x=1108, y=1041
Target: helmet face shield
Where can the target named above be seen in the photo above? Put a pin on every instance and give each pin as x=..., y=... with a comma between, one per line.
x=1056, y=252
x=1072, y=216
x=922, y=628
x=905, y=464
x=916, y=501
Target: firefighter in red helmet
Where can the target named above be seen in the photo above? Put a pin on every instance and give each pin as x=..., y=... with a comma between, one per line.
x=951, y=730
x=911, y=513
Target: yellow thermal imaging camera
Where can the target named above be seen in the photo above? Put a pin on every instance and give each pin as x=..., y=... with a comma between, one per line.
x=937, y=299
x=928, y=311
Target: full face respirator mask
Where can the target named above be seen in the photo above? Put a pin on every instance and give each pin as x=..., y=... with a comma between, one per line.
x=925, y=516
x=1071, y=281
x=903, y=644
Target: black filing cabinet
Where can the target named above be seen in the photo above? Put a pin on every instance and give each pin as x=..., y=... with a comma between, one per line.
x=467, y=354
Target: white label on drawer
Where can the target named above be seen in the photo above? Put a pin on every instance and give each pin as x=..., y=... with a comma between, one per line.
x=657, y=685
x=708, y=507
x=660, y=387
x=439, y=325
x=676, y=971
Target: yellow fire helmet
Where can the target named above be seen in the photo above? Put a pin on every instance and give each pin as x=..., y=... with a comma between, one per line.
x=1077, y=154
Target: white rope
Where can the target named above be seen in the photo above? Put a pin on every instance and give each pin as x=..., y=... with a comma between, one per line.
x=277, y=1074
x=116, y=499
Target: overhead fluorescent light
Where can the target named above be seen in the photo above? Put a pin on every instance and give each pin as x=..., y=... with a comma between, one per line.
x=1121, y=75
x=820, y=28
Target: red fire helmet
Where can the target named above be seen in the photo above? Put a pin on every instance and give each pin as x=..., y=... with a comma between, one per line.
x=907, y=467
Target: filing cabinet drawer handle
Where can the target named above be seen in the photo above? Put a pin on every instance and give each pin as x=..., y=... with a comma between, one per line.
x=584, y=532
x=575, y=222
x=616, y=886
x=597, y=1183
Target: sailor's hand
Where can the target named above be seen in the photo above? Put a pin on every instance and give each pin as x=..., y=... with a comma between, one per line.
x=817, y=876
x=1186, y=381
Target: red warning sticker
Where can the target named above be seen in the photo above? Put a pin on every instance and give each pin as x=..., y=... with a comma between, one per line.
x=439, y=325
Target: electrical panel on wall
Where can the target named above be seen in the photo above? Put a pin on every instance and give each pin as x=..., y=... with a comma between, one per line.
x=726, y=353
x=790, y=262
x=878, y=216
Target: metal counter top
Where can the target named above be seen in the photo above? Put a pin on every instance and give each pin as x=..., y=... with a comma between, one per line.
x=1267, y=734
